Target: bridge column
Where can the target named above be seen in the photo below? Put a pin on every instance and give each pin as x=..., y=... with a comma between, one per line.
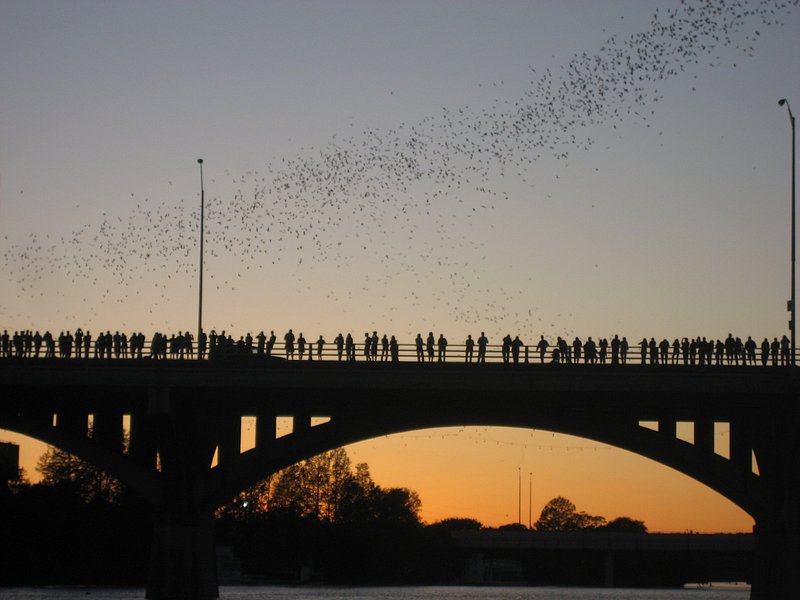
x=776, y=559
x=73, y=422
x=301, y=422
x=741, y=451
x=230, y=438
x=704, y=435
x=183, y=560
x=108, y=430
x=142, y=445
x=266, y=428
x=777, y=532
x=668, y=428
x=608, y=570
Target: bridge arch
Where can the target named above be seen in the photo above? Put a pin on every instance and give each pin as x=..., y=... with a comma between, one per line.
x=708, y=469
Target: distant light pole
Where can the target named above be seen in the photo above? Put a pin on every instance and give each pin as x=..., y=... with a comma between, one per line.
x=519, y=495
x=792, y=306
x=202, y=222
x=530, y=500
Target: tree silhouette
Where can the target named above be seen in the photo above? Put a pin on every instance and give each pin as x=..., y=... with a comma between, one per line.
x=328, y=489
x=457, y=524
x=60, y=468
x=626, y=524
x=561, y=514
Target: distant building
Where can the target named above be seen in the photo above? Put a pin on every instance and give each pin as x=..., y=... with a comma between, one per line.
x=9, y=464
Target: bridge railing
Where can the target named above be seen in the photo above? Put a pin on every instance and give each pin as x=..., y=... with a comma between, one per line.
x=408, y=352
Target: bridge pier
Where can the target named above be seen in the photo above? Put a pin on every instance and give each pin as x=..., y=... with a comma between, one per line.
x=182, y=557
x=183, y=564
x=776, y=560
x=777, y=531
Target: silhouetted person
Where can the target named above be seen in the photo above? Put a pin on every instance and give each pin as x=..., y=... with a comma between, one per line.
x=676, y=351
x=643, y=350
x=202, y=344
x=764, y=352
x=367, y=346
x=663, y=347
x=261, y=343
x=373, y=347
x=469, y=345
x=420, y=353
x=563, y=348
x=775, y=348
x=320, y=347
x=653, y=350
x=542, y=348
x=394, y=350
x=623, y=350
x=288, y=345
x=301, y=346
x=729, y=349
x=483, y=341
x=350, y=348
x=590, y=351
x=37, y=344
x=339, y=341
x=750, y=350
x=577, y=347
x=430, y=345
x=442, y=347
x=516, y=344
x=719, y=352
x=212, y=344
x=615, y=343
x=603, y=352
x=785, y=354
x=506, y=349
x=49, y=345
x=384, y=348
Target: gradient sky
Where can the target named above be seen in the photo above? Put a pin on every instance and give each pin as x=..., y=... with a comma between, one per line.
x=660, y=209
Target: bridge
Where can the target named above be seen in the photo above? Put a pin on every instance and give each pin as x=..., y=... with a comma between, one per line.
x=606, y=558
x=182, y=413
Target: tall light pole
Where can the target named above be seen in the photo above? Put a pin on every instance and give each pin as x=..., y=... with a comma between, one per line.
x=202, y=228
x=792, y=306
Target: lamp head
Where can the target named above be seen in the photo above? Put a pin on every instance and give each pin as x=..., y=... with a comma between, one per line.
x=200, y=160
x=782, y=101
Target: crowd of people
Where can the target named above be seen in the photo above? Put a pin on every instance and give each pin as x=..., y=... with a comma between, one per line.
x=686, y=351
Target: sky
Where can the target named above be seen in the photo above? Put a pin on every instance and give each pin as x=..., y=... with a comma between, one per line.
x=533, y=168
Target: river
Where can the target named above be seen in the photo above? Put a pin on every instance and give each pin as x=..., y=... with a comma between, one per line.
x=387, y=593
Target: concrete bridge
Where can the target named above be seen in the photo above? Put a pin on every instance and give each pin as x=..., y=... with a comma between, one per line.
x=182, y=413
x=660, y=559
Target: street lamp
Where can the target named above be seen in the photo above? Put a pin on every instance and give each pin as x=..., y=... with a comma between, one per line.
x=200, y=301
x=792, y=303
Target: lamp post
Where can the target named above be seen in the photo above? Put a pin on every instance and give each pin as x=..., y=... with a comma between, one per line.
x=530, y=500
x=519, y=495
x=202, y=223
x=792, y=306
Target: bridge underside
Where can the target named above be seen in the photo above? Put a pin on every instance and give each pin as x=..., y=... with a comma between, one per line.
x=179, y=416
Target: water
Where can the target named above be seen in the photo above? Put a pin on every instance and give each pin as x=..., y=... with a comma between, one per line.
x=385, y=593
